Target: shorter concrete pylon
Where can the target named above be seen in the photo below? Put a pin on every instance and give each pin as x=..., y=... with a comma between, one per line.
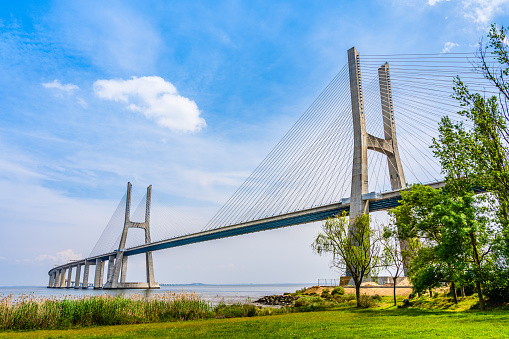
x=117, y=267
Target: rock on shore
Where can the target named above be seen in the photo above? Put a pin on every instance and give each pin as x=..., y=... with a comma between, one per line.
x=277, y=300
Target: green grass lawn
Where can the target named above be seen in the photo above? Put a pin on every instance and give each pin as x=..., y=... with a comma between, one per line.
x=346, y=323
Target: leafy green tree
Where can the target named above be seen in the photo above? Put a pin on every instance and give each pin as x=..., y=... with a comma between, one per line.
x=478, y=158
x=453, y=229
x=354, y=247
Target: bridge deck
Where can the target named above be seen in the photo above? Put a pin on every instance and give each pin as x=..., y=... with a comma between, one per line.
x=377, y=202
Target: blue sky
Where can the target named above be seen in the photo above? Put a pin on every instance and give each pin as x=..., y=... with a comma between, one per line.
x=186, y=96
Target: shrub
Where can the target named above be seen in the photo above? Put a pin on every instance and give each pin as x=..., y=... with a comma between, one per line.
x=301, y=302
x=326, y=294
x=367, y=301
x=376, y=298
x=338, y=290
x=352, y=303
x=235, y=310
x=348, y=297
x=301, y=291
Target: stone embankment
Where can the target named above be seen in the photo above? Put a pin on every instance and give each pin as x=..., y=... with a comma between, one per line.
x=277, y=300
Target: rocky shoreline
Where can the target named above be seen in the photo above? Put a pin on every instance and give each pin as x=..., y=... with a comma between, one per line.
x=277, y=300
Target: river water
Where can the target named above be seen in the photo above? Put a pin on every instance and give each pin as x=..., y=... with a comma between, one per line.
x=210, y=293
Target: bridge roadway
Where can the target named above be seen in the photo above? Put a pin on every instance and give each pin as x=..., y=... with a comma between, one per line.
x=377, y=202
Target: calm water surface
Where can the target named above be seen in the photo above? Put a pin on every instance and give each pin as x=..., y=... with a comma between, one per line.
x=210, y=293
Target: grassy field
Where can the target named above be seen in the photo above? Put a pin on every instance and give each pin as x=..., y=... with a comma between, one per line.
x=347, y=323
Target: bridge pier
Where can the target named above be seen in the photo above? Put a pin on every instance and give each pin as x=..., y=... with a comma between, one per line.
x=77, y=276
x=360, y=137
x=99, y=271
x=86, y=269
x=51, y=279
x=123, y=276
x=69, y=278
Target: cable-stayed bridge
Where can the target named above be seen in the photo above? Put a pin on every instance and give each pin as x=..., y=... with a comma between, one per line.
x=343, y=154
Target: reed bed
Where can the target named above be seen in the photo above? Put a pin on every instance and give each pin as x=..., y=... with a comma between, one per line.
x=28, y=312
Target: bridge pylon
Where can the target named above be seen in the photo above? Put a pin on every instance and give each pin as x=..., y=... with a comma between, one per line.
x=363, y=141
x=117, y=264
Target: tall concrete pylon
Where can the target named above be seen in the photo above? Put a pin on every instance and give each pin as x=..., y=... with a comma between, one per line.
x=117, y=267
x=363, y=141
x=360, y=139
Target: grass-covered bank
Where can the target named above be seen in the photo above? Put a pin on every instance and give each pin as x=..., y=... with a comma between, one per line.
x=330, y=314
x=346, y=323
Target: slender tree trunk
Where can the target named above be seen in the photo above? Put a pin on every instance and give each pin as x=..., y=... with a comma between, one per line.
x=394, y=290
x=463, y=291
x=453, y=290
x=477, y=261
x=430, y=293
x=358, y=294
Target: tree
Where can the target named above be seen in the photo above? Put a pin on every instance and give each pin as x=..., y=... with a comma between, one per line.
x=392, y=256
x=354, y=246
x=452, y=228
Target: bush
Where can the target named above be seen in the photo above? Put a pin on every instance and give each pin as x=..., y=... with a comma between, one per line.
x=235, y=310
x=338, y=290
x=376, y=298
x=368, y=301
x=326, y=294
x=301, y=302
x=348, y=297
x=352, y=303
x=301, y=291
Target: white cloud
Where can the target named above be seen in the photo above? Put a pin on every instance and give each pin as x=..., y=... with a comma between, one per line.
x=60, y=257
x=156, y=98
x=68, y=88
x=482, y=12
x=434, y=2
x=448, y=46
x=65, y=89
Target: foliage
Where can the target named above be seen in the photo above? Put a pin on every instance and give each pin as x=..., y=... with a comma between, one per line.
x=453, y=231
x=353, y=245
x=236, y=310
x=338, y=290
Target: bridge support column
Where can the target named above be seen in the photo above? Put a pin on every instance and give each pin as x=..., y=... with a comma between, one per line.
x=360, y=136
x=86, y=270
x=396, y=173
x=61, y=283
x=55, y=279
x=111, y=268
x=149, y=264
x=69, y=278
x=51, y=279
x=99, y=269
x=77, y=276
x=123, y=277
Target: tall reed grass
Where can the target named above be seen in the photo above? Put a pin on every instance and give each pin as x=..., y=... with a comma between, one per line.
x=28, y=312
